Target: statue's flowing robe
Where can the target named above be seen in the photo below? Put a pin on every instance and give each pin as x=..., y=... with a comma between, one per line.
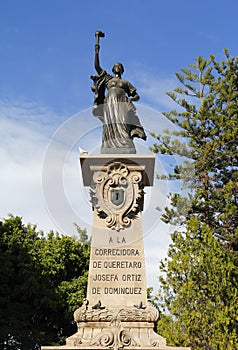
x=117, y=113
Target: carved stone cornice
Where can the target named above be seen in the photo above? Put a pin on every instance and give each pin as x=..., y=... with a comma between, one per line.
x=147, y=314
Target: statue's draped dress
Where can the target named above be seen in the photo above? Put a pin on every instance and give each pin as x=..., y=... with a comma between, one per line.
x=118, y=115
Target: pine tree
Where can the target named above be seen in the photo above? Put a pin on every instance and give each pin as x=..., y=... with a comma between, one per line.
x=200, y=284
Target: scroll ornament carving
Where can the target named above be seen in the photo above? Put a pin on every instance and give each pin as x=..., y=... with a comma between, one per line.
x=117, y=195
x=115, y=336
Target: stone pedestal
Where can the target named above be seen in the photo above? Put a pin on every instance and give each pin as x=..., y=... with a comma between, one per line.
x=117, y=264
x=116, y=313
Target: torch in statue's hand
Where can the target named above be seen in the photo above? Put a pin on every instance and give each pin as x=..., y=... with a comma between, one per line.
x=98, y=34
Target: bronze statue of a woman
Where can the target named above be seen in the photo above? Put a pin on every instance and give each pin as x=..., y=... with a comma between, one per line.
x=115, y=109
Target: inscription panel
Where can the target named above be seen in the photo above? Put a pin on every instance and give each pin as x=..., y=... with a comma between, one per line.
x=117, y=267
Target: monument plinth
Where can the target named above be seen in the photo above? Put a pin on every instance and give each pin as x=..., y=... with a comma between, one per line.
x=116, y=313
x=117, y=265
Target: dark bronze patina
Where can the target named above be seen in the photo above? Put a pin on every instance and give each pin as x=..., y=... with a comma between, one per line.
x=115, y=109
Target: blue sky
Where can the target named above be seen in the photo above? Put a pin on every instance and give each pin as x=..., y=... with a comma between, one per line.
x=46, y=47
x=47, y=52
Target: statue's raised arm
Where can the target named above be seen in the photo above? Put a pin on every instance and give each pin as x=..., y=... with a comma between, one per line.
x=98, y=35
x=115, y=109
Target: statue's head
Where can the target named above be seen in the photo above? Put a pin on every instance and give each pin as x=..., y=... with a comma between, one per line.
x=118, y=68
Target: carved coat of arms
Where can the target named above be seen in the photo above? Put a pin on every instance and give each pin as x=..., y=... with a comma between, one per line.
x=117, y=195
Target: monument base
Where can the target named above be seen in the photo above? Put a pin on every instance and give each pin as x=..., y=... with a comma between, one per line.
x=116, y=314
x=104, y=328
x=115, y=328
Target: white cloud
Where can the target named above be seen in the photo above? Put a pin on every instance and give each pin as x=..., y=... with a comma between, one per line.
x=153, y=88
x=23, y=138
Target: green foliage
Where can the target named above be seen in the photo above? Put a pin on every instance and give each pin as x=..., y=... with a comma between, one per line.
x=199, y=287
x=43, y=280
x=207, y=134
x=200, y=290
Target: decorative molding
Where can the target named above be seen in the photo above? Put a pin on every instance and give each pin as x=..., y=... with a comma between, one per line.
x=117, y=195
x=148, y=314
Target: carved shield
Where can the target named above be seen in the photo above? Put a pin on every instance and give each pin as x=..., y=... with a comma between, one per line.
x=117, y=196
